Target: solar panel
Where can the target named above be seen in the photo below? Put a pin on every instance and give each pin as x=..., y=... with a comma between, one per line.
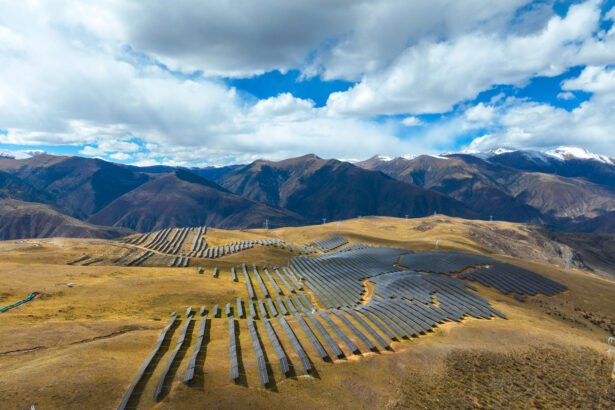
x=260, y=281
x=262, y=309
x=312, y=337
x=443, y=262
x=305, y=361
x=239, y=308
x=277, y=347
x=353, y=348
x=197, y=349
x=258, y=351
x=290, y=304
x=234, y=364
x=146, y=364
x=379, y=324
x=248, y=282
x=272, y=308
x=370, y=345
x=510, y=278
x=272, y=281
x=165, y=371
x=251, y=308
x=323, y=332
x=369, y=329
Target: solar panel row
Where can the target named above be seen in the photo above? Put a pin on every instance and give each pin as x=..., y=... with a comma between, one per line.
x=326, y=245
x=165, y=371
x=303, y=358
x=146, y=364
x=190, y=369
x=234, y=364
x=510, y=278
x=258, y=351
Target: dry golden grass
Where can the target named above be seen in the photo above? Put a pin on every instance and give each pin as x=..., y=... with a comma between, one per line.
x=80, y=347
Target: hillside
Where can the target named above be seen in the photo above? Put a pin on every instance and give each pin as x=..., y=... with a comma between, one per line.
x=181, y=198
x=316, y=188
x=81, y=185
x=20, y=219
x=491, y=187
x=547, y=352
x=12, y=187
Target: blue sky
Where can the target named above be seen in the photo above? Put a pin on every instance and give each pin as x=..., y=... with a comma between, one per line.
x=344, y=79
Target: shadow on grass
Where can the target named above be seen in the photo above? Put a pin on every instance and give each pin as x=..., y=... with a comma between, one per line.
x=175, y=361
x=140, y=387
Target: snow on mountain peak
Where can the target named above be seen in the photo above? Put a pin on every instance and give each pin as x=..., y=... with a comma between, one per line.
x=384, y=158
x=566, y=153
x=499, y=151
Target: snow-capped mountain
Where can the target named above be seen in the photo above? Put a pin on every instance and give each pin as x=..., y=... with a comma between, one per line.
x=567, y=153
x=560, y=153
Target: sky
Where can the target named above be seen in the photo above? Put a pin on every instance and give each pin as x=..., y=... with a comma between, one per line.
x=217, y=82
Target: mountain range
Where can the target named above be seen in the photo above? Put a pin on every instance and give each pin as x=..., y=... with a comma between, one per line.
x=567, y=189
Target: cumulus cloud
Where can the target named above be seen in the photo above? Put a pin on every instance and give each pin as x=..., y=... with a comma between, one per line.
x=566, y=96
x=526, y=124
x=433, y=76
x=142, y=81
x=411, y=121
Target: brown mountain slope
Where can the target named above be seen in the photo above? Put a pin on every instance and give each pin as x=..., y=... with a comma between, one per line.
x=81, y=185
x=479, y=185
x=181, y=198
x=317, y=188
x=20, y=219
x=562, y=197
x=12, y=187
x=504, y=192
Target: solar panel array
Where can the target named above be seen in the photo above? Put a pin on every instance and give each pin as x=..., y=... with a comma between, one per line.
x=510, y=278
x=336, y=278
x=171, y=240
x=325, y=245
x=405, y=303
x=443, y=262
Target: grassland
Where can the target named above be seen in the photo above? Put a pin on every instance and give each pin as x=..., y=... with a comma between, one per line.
x=80, y=346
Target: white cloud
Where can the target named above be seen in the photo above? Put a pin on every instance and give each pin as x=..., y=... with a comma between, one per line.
x=432, y=76
x=566, y=96
x=121, y=156
x=81, y=74
x=412, y=121
x=526, y=124
x=480, y=113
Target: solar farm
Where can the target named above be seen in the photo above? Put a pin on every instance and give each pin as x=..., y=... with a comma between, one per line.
x=255, y=311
